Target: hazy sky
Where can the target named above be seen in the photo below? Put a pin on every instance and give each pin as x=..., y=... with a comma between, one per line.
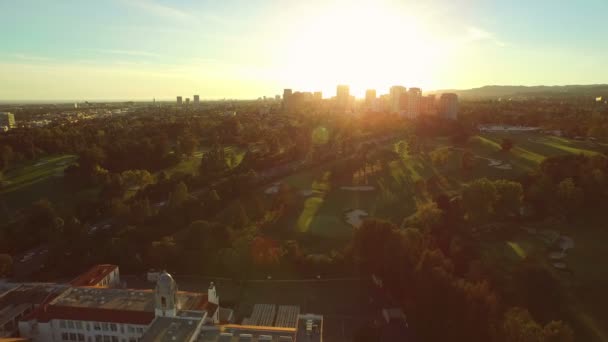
x=140, y=49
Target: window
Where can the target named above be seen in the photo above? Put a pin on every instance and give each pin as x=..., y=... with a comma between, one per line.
x=114, y=339
x=106, y=339
x=130, y=329
x=89, y=339
x=79, y=325
x=140, y=330
x=72, y=337
x=88, y=326
x=132, y=339
x=163, y=302
x=97, y=338
x=113, y=327
x=62, y=324
x=122, y=328
x=81, y=337
x=64, y=336
x=70, y=324
x=105, y=326
x=96, y=326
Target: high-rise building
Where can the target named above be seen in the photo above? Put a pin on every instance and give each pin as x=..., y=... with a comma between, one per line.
x=187, y=101
x=179, y=100
x=342, y=96
x=197, y=99
x=370, y=97
x=448, y=106
x=287, y=99
x=318, y=96
x=427, y=105
x=277, y=97
x=396, y=98
x=7, y=120
x=413, y=102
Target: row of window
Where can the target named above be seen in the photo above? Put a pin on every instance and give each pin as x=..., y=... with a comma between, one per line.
x=98, y=338
x=100, y=326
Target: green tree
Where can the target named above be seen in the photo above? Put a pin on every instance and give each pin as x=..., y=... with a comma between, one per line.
x=506, y=144
x=478, y=199
x=179, y=195
x=6, y=265
x=428, y=214
x=570, y=197
x=509, y=197
x=519, y=326
x=558, y=331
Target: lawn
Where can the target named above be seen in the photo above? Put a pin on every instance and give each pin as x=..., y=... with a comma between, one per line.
x=42, y=178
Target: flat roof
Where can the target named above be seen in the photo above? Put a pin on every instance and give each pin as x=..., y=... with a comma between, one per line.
x=249, y=333
x=94, y=275
x=171, y=329
x=124, y=299
x=313, y=335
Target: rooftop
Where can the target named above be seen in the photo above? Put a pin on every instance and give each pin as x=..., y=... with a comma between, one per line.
x=171, y=329
x=94, y=275
x=310, y=328
x=241, y=333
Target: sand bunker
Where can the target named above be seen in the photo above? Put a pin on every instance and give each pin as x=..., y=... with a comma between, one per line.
x=504, y=167
x=560, y=265
x=306, y=193
x=557, y=255
x=566, y=243
x=355, y=217
x=273, y=189
x=358, y=188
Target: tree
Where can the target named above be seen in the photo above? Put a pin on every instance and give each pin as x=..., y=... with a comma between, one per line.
x=519, y=326
x=428, y=214
x=558, y=331
x=137, y=178
x=179, y=195
x=6, y=264
x=467, y=161
x=478, y=199
x=570, y=196
x=509, y=197
x=506, y=145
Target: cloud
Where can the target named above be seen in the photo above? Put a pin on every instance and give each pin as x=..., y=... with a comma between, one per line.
x=27, y=57
x=127, y=52
x=476, y=34
x=159, y=9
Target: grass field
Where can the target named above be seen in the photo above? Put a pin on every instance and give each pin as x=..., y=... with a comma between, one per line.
x=191, y=165
x=321, y=212
x=42, y=178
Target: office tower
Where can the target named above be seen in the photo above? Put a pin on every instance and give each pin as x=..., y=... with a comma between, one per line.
x=287, y=99
x=342, y=97
x=7, y=120
x=413, y=102
x=396, y=98
x=197, y=99
x=179, y=100
x=277, y=97
x=187, y=100
x=318, y=96
x=370, y=97
x=427, y=105
x=448, y=106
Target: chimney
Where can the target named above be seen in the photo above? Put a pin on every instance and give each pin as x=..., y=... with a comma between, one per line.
x=212, y=296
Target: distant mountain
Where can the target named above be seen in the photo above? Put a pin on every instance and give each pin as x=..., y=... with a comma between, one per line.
x=495, y=91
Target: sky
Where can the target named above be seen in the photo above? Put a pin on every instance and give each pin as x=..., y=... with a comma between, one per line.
x=144, y=49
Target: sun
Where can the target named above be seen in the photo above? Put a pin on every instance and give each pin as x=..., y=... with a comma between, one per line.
x=373, y=46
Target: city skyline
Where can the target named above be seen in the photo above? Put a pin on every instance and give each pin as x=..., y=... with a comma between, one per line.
x=140, y=49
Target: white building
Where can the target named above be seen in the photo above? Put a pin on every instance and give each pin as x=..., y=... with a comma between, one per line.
x=103, y=314
x=7, y=120
x=395, y=98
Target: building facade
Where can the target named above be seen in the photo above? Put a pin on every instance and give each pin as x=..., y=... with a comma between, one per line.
x=7, y=120
x=414, y=96
x=448, y=106
x=179, y=101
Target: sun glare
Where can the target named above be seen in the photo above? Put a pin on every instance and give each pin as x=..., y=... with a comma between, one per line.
x=372, y=46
